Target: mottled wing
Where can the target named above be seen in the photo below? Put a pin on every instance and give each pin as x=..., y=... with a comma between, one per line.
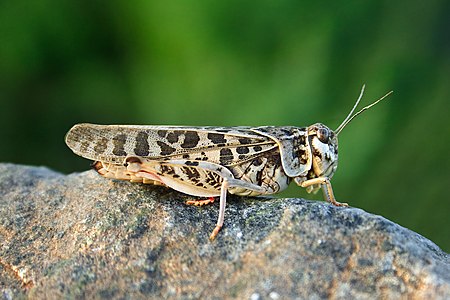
x=113, y=143
x=295, y=152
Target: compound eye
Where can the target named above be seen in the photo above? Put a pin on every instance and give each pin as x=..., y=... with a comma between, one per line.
x=323, y=135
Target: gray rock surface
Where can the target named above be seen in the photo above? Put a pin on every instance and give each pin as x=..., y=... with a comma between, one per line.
x=83, y=236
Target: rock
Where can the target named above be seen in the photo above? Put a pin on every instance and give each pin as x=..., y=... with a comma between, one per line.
x=84, y=236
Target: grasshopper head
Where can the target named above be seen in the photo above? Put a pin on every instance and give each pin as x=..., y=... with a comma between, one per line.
x=324, y=142
x=324, y=147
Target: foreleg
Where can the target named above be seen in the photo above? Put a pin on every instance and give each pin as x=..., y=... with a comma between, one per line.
x=326, y=188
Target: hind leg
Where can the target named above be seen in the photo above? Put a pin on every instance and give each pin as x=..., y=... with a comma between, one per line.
x=227, y=183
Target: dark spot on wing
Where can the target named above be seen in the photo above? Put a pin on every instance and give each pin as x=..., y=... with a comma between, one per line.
x=204, y=156
x=165, y=149
x=101, y=145
x=257, y=148
x=244, y=140
x=217, y=138
x=172, y=137
x=88, y=136
x=226, y=156
x=192, y=163
x=242, y=150
x=142, y=147
x=191, y=139
x=84, y=146
x=119, y=144
x=162, y=133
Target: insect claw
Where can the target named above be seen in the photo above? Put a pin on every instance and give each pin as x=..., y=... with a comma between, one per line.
x=215, y=232
x=335, y=203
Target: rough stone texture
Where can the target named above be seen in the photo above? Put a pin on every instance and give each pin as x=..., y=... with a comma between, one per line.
x=83, y=236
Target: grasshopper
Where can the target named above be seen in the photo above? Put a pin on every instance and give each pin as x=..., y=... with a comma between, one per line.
x=213, y=161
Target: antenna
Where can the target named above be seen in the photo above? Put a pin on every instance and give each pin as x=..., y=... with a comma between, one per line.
x=349, y=118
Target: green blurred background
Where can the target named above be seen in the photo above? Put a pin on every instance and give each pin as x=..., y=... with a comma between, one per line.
x=231, y=63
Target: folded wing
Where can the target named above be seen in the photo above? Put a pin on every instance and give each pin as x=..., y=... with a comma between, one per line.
x=114, y=143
